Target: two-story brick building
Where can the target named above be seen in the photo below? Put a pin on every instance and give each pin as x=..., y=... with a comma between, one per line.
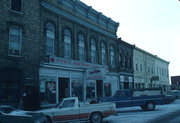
x=62, y=47
x=125, y=64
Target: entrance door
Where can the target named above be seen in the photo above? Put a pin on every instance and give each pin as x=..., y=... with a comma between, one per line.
x=99, y=88
x=64, y=89
x=10, y=87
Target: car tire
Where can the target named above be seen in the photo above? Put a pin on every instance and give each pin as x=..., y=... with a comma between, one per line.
x=96, y=118
x=49, y=119
x=150, y=106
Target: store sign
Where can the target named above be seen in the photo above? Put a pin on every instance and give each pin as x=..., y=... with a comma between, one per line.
x=70, y=63
x=95, y=73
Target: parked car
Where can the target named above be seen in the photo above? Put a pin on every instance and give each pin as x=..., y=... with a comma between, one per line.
x=9, y=114
x=169, y=98
x=176, y=93
x=72, y=110
x=146, y=98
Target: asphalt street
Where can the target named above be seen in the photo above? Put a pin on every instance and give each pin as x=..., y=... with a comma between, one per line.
x=173, y=117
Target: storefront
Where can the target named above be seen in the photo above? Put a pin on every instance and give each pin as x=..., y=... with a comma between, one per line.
x=126, y=81
x=10, y=86
x=66, y=78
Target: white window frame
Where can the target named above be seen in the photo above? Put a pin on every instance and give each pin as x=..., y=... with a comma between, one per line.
x=12, y=49
x=50, y=38
x=67, y=43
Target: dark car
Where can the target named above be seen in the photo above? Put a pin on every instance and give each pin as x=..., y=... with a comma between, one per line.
x=169, y=98
x=175, y=93
x=9, y=114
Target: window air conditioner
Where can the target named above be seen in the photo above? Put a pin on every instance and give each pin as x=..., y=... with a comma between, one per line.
x=14, y=52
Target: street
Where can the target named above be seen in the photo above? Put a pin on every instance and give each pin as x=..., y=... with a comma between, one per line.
x=168, y=113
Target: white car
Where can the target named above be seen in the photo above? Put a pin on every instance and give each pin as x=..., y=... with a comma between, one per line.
x=9, y=114
x=71, y=110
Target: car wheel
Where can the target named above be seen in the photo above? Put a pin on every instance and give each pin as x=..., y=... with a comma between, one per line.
x=49, y=119
x=96, y=118
x=150, y=106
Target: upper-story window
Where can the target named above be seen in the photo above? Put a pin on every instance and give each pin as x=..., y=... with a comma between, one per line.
x=141, y=69
x=81, y=47
x=93, y=51
x=15, y=40
x=16, y=5
x=50, y=34
x=136, y=67
x=67, y=43
x=103, y=53
x=112, y=56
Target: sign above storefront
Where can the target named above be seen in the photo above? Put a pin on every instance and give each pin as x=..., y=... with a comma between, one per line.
x=71, y=63
x=96, y=73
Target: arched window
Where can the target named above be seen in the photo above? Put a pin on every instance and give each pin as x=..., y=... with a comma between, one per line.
x=93, y=51
x=67, y=43
x=81, y=47
x=112, y=56
x=103, y=53
x=50, y=35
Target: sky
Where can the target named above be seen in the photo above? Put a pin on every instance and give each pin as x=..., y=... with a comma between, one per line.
x=152, y=25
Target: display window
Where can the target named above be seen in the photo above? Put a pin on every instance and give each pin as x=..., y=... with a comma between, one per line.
x=77, y=88
x=47, y=90
x=107, y=89
x=90, y=90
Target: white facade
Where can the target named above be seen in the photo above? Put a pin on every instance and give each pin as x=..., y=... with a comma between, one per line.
x=149, y=70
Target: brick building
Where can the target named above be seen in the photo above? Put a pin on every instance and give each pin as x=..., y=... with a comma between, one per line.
x=175, y=82
x=125, y=64
x=19, y=48
x=62, y=47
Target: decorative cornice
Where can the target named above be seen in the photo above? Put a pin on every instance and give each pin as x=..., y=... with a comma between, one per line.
x=76, y=19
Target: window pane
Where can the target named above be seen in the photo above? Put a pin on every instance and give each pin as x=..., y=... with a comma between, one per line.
x=47, y=90
x=14, y=38
x=90, y=90
x=77, y=88
x=93, y=51
x=67, y=43
x=67, y=50
x=50, y=34
x=81, y=46
x=103, y=53
x=112, y=57
x=16, y=5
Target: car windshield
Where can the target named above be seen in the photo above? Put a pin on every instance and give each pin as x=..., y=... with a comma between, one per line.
x=7, y=109
x=68, y=103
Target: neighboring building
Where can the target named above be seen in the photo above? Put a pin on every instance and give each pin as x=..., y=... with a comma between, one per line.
x=19, y=48
x=62, y=47
x=161, y=73
x=150, y=71
x=125, y=64
x=175, y=82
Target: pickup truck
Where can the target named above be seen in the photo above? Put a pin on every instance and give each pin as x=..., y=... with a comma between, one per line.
x=147, y=99
x=70, y=109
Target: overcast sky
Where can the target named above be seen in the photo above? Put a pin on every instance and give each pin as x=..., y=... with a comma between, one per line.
x=152, y=25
